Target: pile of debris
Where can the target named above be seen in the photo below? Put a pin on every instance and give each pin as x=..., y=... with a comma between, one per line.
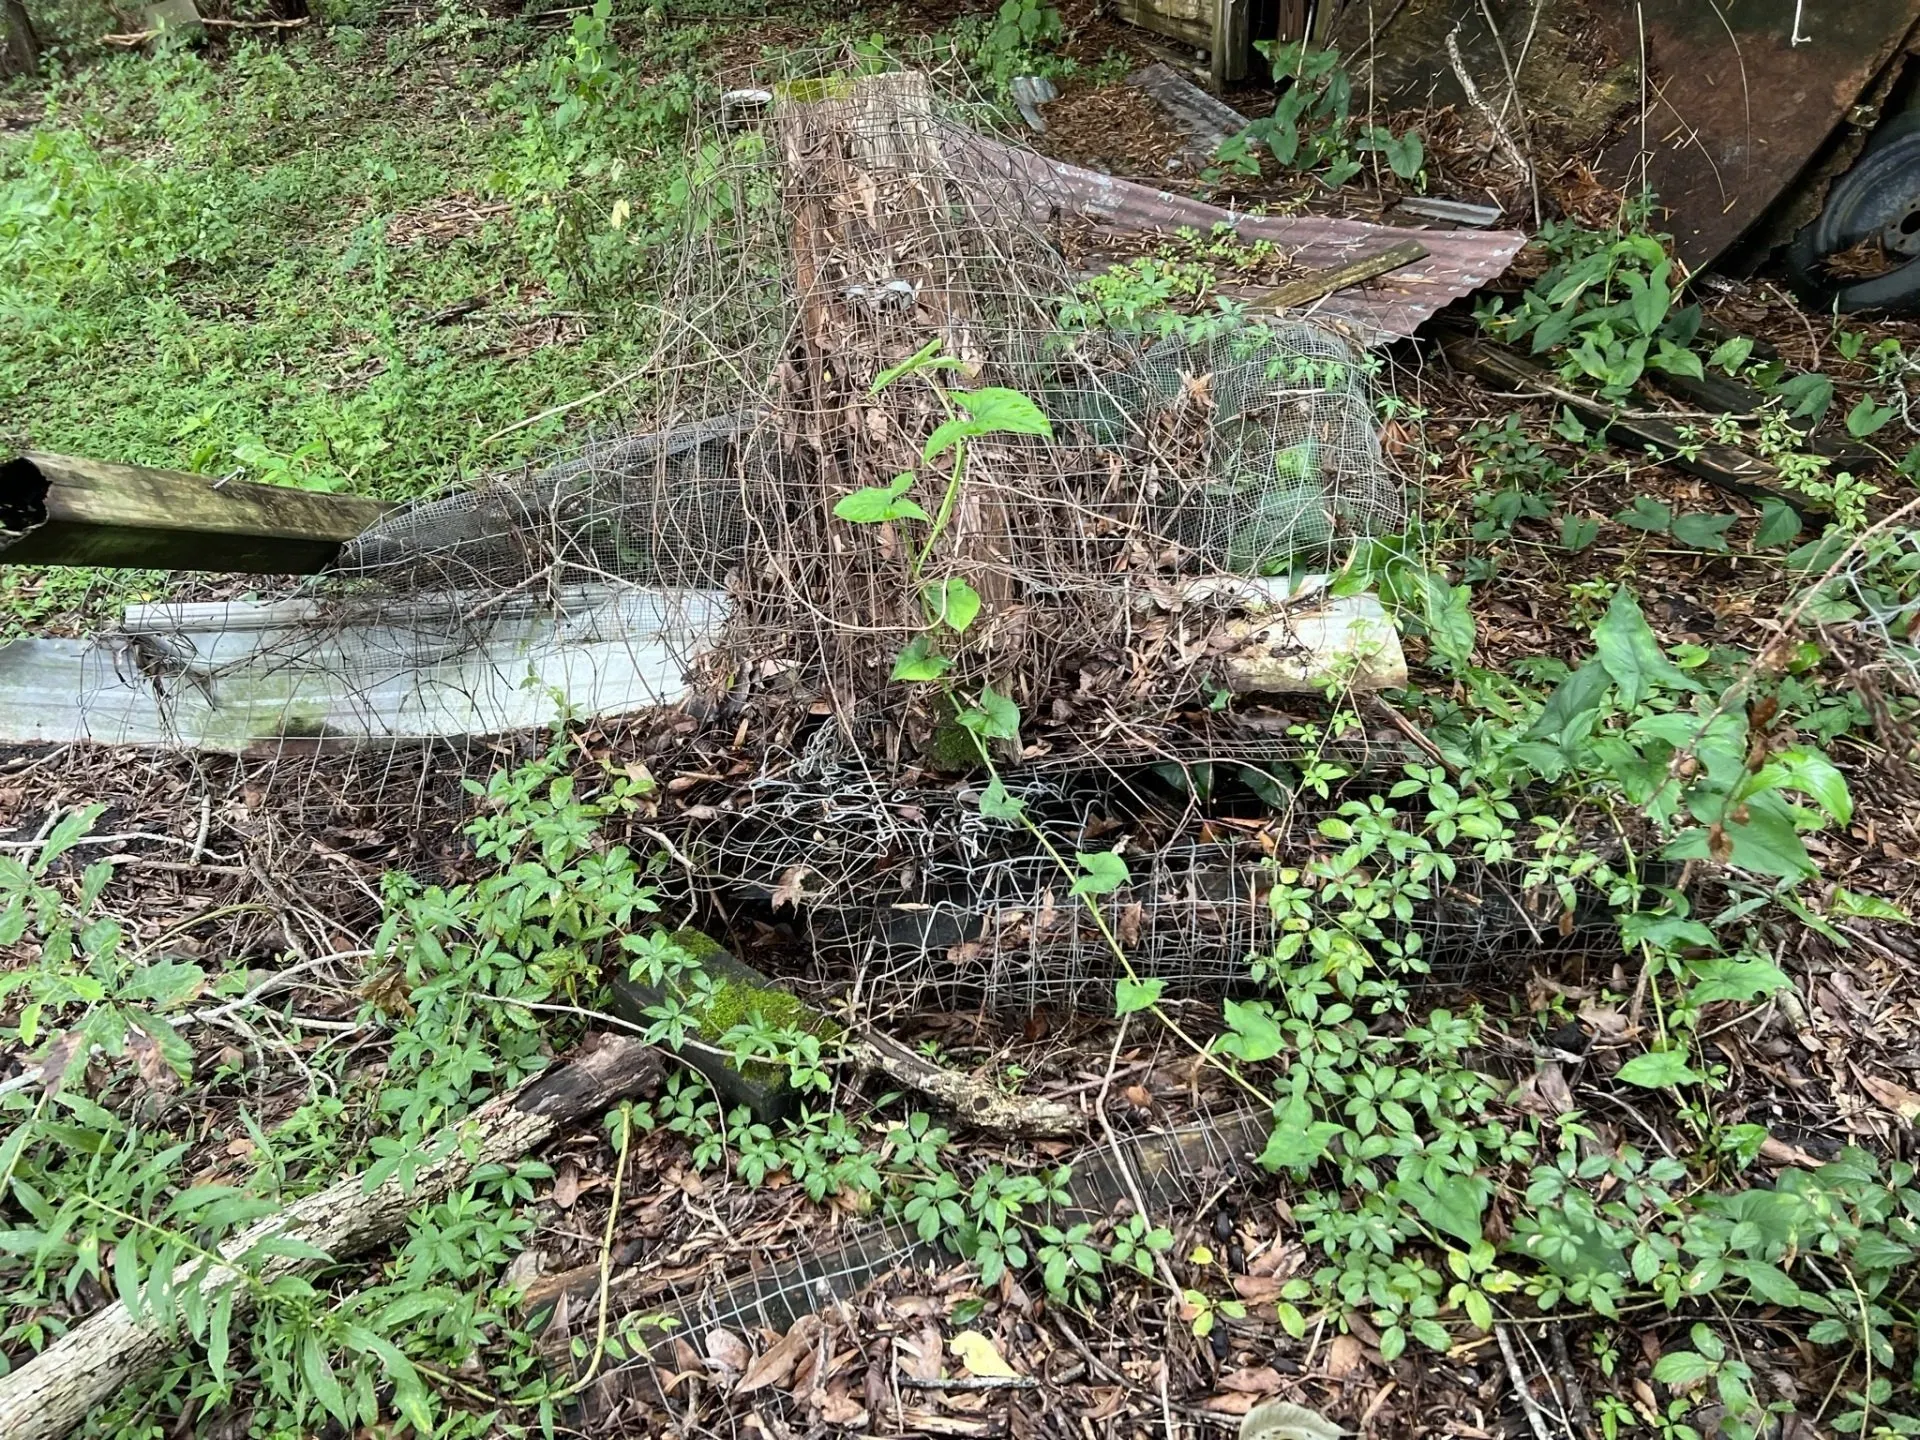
x=1163, y=546
x=888, y=466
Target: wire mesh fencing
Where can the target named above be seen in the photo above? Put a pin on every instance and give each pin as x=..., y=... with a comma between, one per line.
x=914, y=892
x=1161, y=1169
x=834, y=226
x=837, y=221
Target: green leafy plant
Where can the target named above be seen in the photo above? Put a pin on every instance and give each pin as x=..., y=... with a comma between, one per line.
x=1424, y=601
x=1020, y=38
x=1606, y=308
x=88, y=984
x=1312, y=129
x=950, y=606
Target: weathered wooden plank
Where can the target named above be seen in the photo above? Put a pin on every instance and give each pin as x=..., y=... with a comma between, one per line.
x=1315, y=284
x=1229, y=45
x=234, y=677
x=64, y=510
x=1721, y=465
x=1735, y=397
x=1190, y=21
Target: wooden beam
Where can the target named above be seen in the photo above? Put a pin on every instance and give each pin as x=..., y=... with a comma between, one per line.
x=1721, y=465
x=63, y=510
x=1315, y=284
x=1735, y=397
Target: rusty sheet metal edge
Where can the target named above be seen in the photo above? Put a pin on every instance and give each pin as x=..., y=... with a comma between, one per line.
x=1739, y=106
x=1392, y=307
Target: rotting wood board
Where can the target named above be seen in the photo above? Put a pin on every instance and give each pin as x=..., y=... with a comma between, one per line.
x=65, y=510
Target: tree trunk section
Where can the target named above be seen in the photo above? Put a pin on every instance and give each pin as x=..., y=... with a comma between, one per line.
x=54, y=1392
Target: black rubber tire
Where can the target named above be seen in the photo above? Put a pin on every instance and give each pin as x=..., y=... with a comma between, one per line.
x=1882, y=188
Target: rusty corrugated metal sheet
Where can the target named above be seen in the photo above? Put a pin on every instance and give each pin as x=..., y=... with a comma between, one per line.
x=1741, y=106
x=1394, y=306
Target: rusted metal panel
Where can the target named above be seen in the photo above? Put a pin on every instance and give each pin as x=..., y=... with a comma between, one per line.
x=1739, y=103
x=1459, y=262
x=1575, y=81
x=1206, y=118
x=247, y=676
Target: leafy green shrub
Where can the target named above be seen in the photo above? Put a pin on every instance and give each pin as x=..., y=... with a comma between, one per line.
x=588, y=120
x=1312, y=129
x=465, y=962
x=1014, y=41
x=1605, y=307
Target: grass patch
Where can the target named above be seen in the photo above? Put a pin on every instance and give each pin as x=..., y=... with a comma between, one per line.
x=341, y=263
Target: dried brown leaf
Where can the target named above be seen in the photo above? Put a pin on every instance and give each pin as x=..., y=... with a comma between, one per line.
x=58, y=1056
x=1263, y=1380
x=1229, y=1402
x=1779, y=1152
x=790, y=891
x=727, y=1351
x=1896, y=1097
x=780, y=1358
x=156, y=1074
x=839, y=1408
x=920, y=1356
x=1345, y=1357
x=1257, y=1289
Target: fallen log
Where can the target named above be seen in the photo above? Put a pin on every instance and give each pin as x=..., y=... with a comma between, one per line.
x=1719, y=465
x=64, y=510
x=54, y=1392
x=978, y=1103
x=765, y=1089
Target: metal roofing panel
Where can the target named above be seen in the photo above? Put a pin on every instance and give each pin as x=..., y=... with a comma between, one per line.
x=1392, y=307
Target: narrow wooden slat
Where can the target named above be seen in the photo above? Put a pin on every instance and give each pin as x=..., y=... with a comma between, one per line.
x=1231, y=42
x=1305, y=289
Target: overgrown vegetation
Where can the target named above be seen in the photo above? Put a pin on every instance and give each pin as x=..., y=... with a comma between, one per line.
x=1675, y=787
x=1313, y=129
x=241, y=266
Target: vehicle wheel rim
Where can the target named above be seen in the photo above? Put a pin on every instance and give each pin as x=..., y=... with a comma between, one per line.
x=1879, y=199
